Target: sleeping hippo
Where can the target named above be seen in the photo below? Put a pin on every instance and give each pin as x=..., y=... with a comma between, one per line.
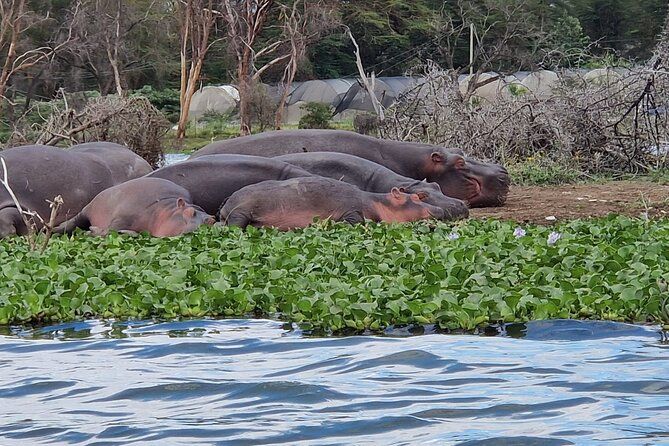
x=373, y=177
x=296, y=202
x=123, y=163
x=212, y=179
x=39, y=173
x=480, y=184
x=153, y=205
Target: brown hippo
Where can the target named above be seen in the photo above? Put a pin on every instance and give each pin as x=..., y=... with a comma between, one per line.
x=296, y=202
x=372, y=177
x=151, y=205
x=212, y=179
x=39, y=173
x=480, y=184
x=123, y=163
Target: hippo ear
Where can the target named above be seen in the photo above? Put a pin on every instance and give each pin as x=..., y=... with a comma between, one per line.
x=181, y=203
x=396, y=192
x=437, y=157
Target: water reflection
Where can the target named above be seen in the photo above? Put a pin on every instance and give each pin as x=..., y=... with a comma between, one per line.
x=254, y=382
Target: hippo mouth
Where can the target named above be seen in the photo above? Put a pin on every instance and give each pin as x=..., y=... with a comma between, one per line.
x=474, y=189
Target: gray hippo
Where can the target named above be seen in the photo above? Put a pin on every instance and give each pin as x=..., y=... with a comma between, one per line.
x=40, y=173
x=123, y=163
x=212, y=179
x=480, y=184
x=294, y=203
x=153, y=205
x=373, y=177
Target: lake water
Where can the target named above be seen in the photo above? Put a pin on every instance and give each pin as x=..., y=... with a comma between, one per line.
x=173, y=158
x=248, y=382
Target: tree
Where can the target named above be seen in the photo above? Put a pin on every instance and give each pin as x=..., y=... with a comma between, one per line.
x=18, y=53
x=197, y=29
x=302, y=24
x=245, y=20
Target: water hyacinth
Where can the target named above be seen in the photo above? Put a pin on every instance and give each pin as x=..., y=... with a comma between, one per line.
x=328, y=276
x=553, y=237
x=519, y=232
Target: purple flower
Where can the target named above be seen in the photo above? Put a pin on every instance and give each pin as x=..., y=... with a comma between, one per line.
x=453, y=236
x=519, y=232
x=553, y=237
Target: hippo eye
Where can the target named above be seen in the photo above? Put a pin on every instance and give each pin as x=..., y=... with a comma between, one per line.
x=422, y=195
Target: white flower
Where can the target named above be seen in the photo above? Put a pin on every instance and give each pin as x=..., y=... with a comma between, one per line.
x=453, y=236
x=553, y=237
x=519, y=232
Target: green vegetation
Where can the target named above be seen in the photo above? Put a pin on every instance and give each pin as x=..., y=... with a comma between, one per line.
x=334, y=277
x=317, y=117
x=537, y=171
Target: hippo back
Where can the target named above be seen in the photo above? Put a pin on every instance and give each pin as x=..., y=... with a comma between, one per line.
x=123, y=163
x=365, y=174
x=284, y=142
x=39, y=173
x=212, y=179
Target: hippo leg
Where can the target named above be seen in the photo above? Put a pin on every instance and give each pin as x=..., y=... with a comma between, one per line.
x=354, y=217
x=236, y=219
x=78, y=221
x=11, y=223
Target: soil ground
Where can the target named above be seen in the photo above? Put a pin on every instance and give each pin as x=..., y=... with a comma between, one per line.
x=533, y=204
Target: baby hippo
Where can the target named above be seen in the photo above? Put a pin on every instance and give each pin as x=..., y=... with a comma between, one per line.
x=294, y=203
x=153, y=205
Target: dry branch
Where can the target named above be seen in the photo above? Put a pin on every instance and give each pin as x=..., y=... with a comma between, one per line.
x=610, y=125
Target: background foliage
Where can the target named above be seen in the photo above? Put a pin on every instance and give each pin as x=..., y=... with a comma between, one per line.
x=393, y=35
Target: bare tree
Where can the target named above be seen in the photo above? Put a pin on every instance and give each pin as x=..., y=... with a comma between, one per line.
x=198, y=20
x=369, y=82
x=245, y=20
x=302, y=24
x=498, y=29
x=16, y=19
x=104, y=31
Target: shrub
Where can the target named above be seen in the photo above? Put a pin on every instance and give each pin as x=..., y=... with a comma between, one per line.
x=167, y=100
x=317, y=117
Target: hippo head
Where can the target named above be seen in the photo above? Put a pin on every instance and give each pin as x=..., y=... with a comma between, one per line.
x=179, y=217
x=479, y=184
x=430, y=193
x=403, y=207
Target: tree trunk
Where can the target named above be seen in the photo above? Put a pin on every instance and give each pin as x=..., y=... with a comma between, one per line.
x=291, y=69
x=7, y=68
x=187, y=97
x=245, y=94
x=117, y=74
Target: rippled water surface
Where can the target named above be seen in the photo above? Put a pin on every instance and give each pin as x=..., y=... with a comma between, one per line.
x=252, y=382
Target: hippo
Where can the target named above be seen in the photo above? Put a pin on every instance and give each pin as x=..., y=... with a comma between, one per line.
x=123, y=163
x=153, y=205
x=372, y=177
x=212, y=179
x=479, y=184
x=38, y=173
x=294, y=203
